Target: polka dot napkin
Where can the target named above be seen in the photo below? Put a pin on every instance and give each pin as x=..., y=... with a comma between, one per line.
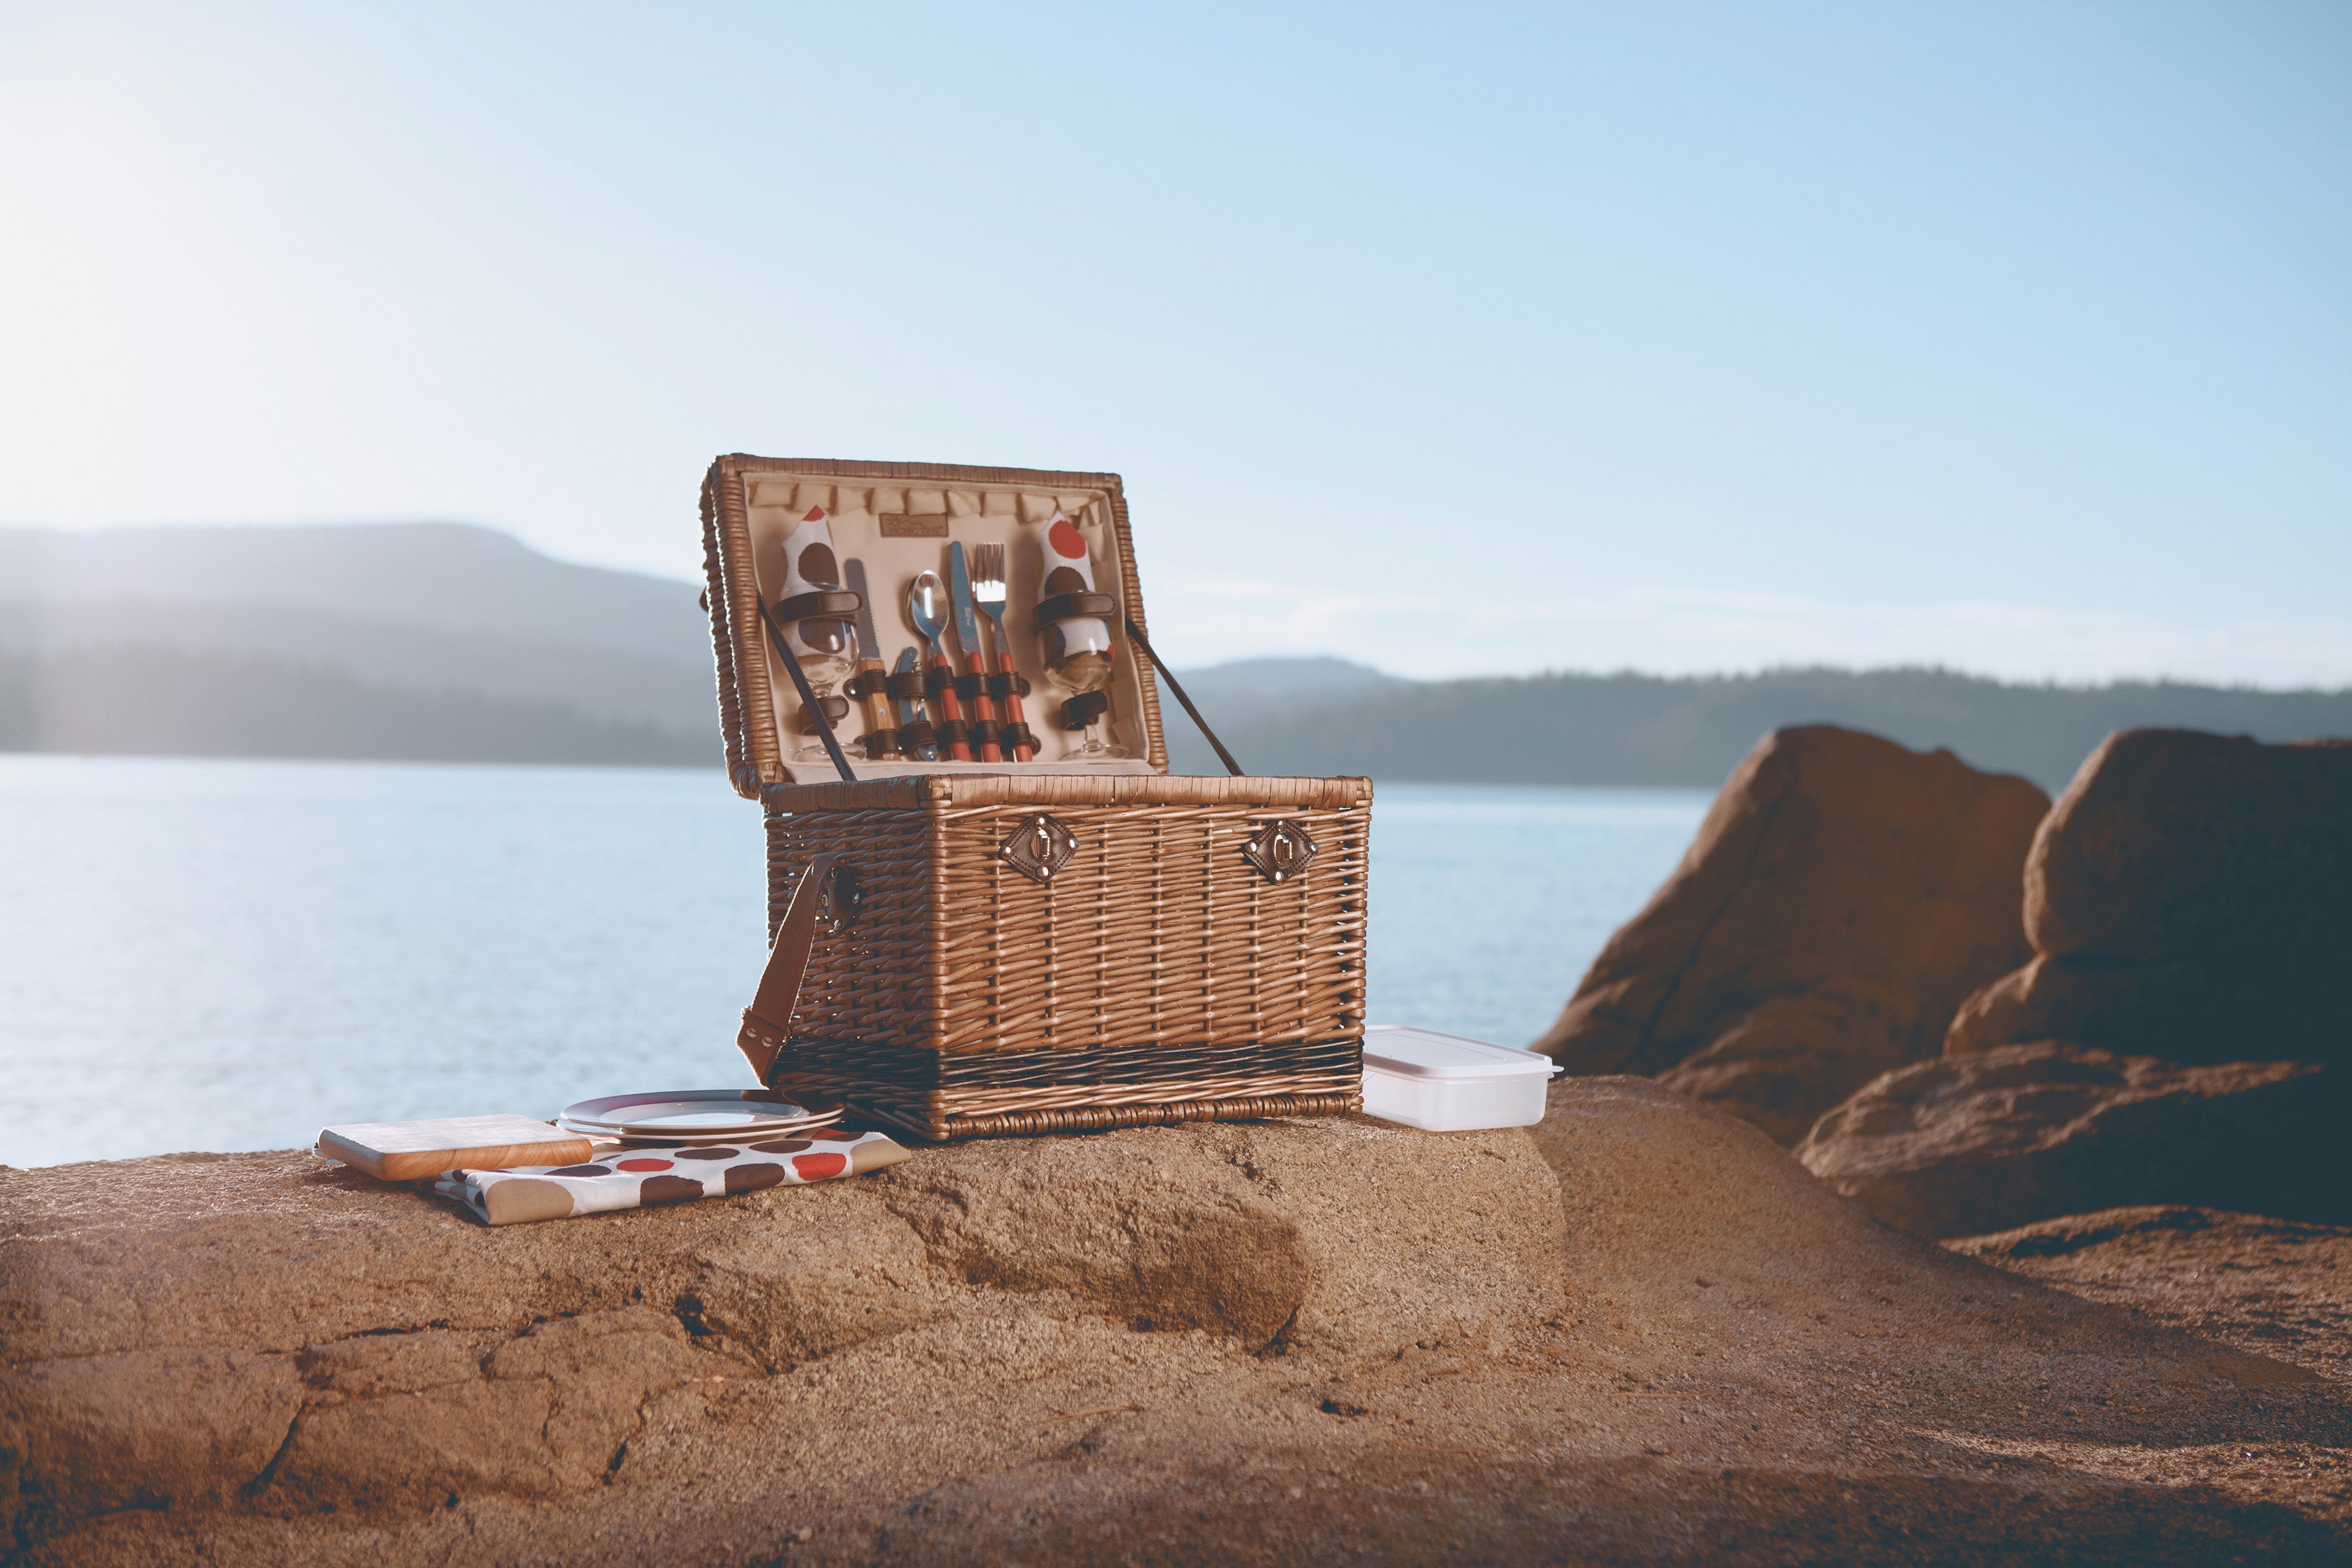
x=626, y=1178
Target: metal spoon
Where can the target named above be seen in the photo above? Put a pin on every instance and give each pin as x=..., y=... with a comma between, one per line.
x=926, y=607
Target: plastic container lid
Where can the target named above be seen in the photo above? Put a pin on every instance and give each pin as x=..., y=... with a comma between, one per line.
x=1425, y=1053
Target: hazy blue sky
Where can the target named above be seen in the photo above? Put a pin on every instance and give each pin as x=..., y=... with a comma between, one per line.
x=1458, y=339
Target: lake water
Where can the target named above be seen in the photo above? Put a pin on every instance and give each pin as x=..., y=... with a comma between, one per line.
x=201, y=954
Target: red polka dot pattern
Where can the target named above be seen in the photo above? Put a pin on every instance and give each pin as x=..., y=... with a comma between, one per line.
x=678, y=1176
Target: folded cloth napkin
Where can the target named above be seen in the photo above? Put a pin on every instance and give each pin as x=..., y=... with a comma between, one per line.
x=625, y=1177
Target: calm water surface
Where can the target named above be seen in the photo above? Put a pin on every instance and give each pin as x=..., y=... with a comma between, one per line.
x=199, y=954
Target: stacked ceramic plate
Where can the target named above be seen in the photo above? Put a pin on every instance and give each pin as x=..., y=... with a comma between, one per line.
x=695, y=1117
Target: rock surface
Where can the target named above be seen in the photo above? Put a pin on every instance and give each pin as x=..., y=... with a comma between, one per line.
x=1843, y=896
x=2185, y=899
x=2271, y=1287
x=1961, y=1145
x=1639, y=1329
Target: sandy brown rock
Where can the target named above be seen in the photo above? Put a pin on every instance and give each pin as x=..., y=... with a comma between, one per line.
x=1966, y=1144
x=392, y=1421
x=176, y=1427
x=1842, y=898
x=2270, y=1287
x=1641, y=1333
x=2185, y=899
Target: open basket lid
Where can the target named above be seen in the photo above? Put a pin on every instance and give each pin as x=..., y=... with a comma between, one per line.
x=890, y=513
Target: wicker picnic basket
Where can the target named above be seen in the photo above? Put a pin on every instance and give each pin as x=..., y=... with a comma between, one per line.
x=975, y=949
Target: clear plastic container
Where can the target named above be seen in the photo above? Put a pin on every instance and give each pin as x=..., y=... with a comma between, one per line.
x=1444, y=1083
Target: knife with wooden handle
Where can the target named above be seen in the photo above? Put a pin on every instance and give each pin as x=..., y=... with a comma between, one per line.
x=871, y=670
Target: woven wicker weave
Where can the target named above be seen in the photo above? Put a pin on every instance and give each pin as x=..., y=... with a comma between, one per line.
x=1160, y=976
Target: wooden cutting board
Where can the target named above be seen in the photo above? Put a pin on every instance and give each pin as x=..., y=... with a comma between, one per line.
x=408, y=1151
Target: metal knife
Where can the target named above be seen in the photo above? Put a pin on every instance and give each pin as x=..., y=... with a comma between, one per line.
x=968, y=634
x=869, y=650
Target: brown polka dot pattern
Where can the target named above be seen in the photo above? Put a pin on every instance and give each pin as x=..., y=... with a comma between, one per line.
x=648, y=1178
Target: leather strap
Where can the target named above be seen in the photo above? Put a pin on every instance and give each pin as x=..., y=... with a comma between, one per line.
x=1135, y=635
x=768, y=1021
x=820, y=605
x=1076, y=607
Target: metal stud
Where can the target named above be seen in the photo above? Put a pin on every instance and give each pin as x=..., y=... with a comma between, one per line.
x=1038, y=848
x=840, y=898
x=1279, y=849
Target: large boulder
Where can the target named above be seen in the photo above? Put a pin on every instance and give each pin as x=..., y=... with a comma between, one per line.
x=267, y=1333
x=2186, y=899
x=1962, y=1145
x=1637, y=1332
x=1841, y=897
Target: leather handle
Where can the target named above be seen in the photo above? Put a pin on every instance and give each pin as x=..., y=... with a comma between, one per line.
x=873, y=690
x=769, y=1019
x=1135, y=635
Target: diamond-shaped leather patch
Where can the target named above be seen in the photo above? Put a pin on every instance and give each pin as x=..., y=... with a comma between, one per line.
x=1039, y=848
x=1279, y=849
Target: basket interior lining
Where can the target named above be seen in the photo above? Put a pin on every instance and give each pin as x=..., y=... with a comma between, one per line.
x=1013, y=515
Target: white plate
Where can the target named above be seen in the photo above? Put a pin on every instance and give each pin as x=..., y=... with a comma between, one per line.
x=691, y=1112
x=701, y=1140
x=732, y=1130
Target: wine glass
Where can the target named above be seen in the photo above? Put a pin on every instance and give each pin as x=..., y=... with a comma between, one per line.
x=828, y=651
x=1082, y=672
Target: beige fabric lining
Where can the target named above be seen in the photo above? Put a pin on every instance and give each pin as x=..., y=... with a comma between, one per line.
x=1012, y=516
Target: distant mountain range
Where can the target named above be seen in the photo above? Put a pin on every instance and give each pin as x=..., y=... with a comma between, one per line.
x=446, y=642
x=1629, y=729
x=419, y=640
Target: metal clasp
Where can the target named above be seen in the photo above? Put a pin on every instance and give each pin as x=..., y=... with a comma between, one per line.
x=1280, y=850
x=1038, y=848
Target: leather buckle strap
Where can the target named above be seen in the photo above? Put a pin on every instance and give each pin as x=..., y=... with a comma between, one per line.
x=820, y=605
x=1076, y=607
x=768, y=1021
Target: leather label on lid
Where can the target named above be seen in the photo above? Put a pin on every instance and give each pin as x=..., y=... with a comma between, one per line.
x=903, y=525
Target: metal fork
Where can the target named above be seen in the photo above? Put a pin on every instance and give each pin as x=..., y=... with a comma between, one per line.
x=988, y=593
